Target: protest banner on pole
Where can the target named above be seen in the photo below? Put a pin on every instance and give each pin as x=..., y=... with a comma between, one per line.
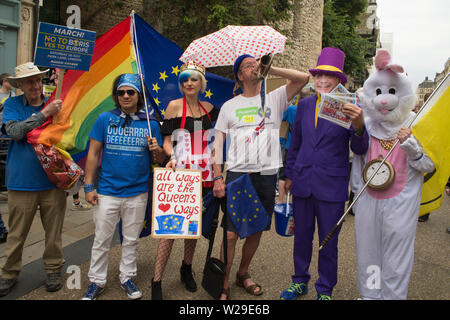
x=177, y=204
x=64, y=48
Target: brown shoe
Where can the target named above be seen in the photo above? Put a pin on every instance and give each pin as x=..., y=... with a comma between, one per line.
x=53, y=282
x=6, y=286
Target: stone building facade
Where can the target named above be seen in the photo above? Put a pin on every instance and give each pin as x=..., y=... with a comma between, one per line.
x=428, y=86
x=305, y=27
x=27, y=31
x=102, y=15
x=425, y=88
x=441, y=75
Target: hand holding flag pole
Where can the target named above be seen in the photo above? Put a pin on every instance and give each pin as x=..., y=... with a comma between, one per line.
x=61, y=73
x=336, y=226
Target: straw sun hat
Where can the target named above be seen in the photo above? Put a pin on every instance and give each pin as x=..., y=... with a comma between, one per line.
x=24, y=71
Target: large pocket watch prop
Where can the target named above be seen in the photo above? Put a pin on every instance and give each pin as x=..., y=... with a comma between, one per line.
x=383, y=178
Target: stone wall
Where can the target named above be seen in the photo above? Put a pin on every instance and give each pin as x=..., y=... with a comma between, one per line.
x=102, y=15
x=305, y=43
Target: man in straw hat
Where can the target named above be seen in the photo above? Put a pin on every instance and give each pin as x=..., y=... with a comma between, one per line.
x=317, y=167
x=27, y=183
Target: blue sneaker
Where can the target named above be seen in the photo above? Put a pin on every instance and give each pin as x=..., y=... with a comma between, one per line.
x=92, y=292
x=132, y=291
x=321, y=296
x=295, y=290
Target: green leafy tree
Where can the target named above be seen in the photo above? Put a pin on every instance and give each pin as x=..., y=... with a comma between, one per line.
x=183, y=21
x=339, y=30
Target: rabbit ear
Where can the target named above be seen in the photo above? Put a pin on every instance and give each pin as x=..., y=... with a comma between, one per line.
x=382, y=59
x=395, y=67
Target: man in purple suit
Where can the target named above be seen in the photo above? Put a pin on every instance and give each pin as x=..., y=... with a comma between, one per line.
x=317, y=171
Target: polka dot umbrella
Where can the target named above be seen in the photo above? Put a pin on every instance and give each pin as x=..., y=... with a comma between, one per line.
x=222, y=47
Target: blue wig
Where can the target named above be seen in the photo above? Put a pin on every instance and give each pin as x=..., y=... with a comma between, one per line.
x=186, y=74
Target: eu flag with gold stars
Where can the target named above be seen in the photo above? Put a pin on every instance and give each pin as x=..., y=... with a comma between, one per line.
x=160, y=64
x=245, y=208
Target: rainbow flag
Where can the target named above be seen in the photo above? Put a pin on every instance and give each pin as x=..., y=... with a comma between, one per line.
x=87, y=94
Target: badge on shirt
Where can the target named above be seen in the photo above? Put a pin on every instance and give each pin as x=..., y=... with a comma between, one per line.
x=247, y=114
x=248, y=119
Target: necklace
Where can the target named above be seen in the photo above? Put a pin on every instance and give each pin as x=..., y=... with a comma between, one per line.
x=192, y=113
x=387, y=144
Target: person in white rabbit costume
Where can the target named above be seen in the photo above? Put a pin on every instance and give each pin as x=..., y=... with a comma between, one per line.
x=387, y=211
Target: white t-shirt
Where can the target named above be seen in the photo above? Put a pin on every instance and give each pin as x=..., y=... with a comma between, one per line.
x=251, y=146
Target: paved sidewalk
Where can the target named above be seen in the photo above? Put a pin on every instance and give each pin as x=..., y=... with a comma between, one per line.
x=272, y=265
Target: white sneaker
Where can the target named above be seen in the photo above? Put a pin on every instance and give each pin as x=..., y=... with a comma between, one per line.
x=79, y=207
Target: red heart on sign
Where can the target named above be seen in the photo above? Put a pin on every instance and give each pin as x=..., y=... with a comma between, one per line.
x=164, y=207
x=203, y=163
x=205, y=174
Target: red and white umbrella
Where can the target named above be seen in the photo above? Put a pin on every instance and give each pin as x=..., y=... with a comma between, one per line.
x=222, y=47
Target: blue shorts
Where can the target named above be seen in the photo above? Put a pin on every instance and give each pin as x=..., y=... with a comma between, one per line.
x=265, y=188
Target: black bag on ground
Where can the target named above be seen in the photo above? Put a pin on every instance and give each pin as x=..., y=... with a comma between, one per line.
x=215, y=270
x=213, y=277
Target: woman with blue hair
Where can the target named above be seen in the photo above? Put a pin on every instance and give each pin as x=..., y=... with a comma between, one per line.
x=186, y=135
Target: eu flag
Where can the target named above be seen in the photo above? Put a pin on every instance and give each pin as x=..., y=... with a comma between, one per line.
x=160, y=64
x=245, y=208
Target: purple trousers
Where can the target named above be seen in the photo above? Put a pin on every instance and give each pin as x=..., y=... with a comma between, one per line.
x=306, y=211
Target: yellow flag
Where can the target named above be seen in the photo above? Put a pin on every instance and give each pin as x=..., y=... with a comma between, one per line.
x=432, y=129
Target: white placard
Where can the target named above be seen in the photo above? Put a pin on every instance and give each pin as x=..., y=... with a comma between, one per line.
x=177, y=203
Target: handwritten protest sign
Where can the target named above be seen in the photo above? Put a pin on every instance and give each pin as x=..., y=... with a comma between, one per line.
x=62, y=47
x=177, y=203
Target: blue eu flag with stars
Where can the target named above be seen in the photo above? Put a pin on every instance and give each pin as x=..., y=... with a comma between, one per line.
x=245, y=208
x=160, y=65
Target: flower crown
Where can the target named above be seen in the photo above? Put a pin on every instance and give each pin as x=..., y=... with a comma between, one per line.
x=191, y=65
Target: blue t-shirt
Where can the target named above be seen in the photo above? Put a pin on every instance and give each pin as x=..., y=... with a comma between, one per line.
x=289, y=116
x=23, y=169
x=125, y=169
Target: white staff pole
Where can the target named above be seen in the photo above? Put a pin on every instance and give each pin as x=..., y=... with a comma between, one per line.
x=138, y=61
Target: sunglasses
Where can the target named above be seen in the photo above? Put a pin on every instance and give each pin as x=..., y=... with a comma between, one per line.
x=129, y=92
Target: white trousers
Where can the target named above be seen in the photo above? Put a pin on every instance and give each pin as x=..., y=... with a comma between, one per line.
x=107, y=213
x=384, y=236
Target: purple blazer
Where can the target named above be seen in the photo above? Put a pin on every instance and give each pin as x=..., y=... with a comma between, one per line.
x=318, y=158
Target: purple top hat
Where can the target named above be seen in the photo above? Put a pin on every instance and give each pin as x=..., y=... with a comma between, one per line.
x=331, y=61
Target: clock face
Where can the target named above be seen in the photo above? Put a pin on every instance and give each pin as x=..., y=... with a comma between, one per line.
x=381, y=177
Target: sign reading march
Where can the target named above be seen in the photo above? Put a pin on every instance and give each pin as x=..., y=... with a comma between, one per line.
x=63, y=47
x=177, y=203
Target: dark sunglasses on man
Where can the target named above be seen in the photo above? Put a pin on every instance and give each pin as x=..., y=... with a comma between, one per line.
x=129, y=92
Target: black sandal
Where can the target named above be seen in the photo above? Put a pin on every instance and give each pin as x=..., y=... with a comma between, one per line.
x=227, y=293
